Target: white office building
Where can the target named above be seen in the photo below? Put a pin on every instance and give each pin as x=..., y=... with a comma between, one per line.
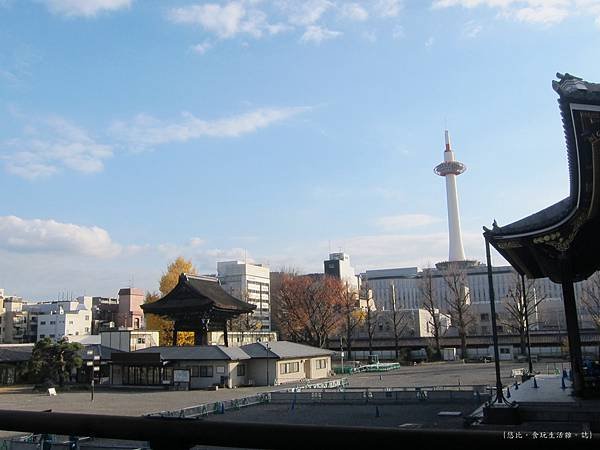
x=58, y=319
x=407, y=285
x=338, y=266
x=250, y=283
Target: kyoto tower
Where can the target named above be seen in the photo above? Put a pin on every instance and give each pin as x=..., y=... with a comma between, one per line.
x=450, y=168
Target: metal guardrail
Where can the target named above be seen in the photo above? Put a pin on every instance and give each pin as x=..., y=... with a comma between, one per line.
x=179, y=434
x=220, y=407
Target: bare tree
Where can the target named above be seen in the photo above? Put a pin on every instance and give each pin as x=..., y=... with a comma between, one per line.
x=520, y=309
x=399, y=321
x=428, y=303
x=351, y=313
x=459, y=304
x=309, y=308
x=370, y=315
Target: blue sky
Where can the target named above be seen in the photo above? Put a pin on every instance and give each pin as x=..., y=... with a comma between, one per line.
x=135, y=131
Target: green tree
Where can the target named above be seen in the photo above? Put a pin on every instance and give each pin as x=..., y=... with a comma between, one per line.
x=52, y=362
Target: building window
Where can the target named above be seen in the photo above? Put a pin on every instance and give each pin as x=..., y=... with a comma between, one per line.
x=87, y=330
x=52, y=335
x=142, y=340
x=87, y=317
x=292, y=367
x=485, y=317
x=70, y=322
x=241, y=370
x=194, y=371
x=321, y=364
x=205, y=371
x=505, y=351
x=43, y=322
x=42, y=336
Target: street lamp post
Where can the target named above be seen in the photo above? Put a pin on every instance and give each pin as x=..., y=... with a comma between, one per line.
x=525, y=306
x=267, y=347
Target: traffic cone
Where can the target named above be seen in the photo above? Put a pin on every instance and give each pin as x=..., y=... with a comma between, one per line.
x=535, y=383
x=507, y=392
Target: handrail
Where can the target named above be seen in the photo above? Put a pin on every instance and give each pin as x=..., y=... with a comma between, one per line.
x=177, y=434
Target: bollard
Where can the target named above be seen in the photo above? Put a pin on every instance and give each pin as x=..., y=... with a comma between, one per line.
x=535, y=385
x=507, y=392
x=380, y=377
x=377, y=413
x=562, y=383
x=222, y=408
x=516, y=386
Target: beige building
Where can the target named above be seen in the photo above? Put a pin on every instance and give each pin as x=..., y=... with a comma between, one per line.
x=197, y=367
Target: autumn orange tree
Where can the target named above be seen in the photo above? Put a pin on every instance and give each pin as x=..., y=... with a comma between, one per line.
x=310, y=309
x=168, y=281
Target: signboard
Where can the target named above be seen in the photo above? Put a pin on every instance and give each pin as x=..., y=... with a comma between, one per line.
x=220, y=369
x=89, y=363
x=96, y=357
x=96, y=369
x=51, y=391
x=181, y=376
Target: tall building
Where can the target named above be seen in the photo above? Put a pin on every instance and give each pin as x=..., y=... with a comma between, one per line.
x=251, y=283
x=130, y=314
x=338, y=266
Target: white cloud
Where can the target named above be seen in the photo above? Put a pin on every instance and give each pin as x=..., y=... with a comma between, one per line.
x=471, y=29
x=304, y=13
x=388, y=8
x=429, y=42
x=48, y=236
x=315, y=34
x=354, y=11
x=52, y=144
x=544, y=12
x=84, y=8
x=404, y=221
x=226, y=21
x=146, y=131
x=201, y=48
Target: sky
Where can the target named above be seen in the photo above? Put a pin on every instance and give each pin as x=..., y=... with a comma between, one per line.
x=276, y=131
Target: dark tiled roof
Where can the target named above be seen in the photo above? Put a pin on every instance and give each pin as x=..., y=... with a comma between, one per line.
x=15, y=352
x=196, y=292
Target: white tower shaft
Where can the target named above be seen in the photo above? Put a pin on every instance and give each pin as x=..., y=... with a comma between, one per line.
x=449, y=169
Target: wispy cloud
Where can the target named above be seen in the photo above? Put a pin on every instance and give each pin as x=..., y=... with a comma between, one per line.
x=145, y=131
x=543, y=12
x=84, y=8
x=471, y=29
x=226, y=21
x=49, y=236
x=429, y=42
x=52, y=144
x=201, y=48
x=315, y=34
x=405, y=221
x=354, y=11
x=388, y=8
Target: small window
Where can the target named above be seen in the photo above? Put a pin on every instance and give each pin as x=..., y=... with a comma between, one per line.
x=53, y=322
x=142, y=340
x=321, y=364
x=194, y=371
x=485, y=317
x=87, y=317
x=42, y=336
x=43, y=322
x=70, y=322
x=87, y=330
x=241, y=370
x=205, y=371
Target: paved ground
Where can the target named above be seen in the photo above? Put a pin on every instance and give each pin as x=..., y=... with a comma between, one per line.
x=137, y=402
x=435, y=374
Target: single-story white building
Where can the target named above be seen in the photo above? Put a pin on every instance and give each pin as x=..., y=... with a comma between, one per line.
x=197, y=367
